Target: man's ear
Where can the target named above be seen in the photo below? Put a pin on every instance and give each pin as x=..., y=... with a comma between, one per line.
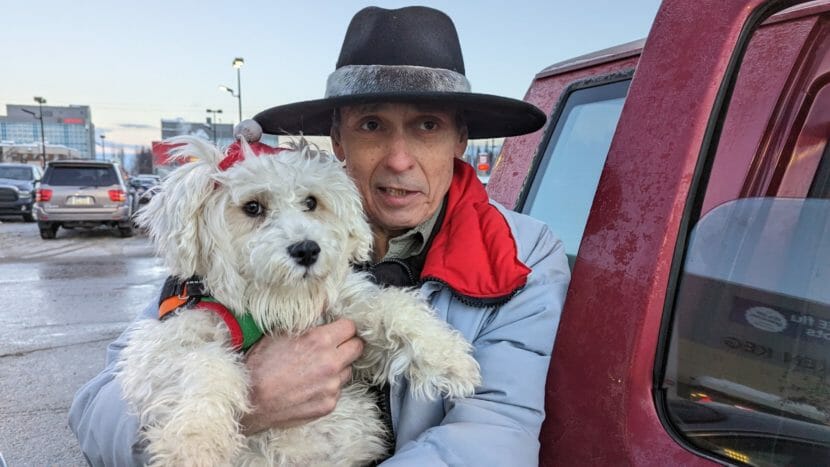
x=360, y=237
x=335, y=144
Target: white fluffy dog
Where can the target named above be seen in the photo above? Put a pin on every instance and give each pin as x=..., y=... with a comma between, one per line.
x=273, y=236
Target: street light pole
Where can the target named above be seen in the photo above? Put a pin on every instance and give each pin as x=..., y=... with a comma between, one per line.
x=237, y=63
x=103, y=148
x=40, y=101
x=213, y=122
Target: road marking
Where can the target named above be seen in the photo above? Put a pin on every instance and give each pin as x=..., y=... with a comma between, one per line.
x=60, y=252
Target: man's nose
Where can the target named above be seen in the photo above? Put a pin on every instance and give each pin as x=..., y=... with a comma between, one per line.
x=399, y=155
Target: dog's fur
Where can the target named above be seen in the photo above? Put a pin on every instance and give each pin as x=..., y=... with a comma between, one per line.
x=187, y=385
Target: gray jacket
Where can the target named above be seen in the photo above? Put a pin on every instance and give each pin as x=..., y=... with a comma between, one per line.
x=498, y=426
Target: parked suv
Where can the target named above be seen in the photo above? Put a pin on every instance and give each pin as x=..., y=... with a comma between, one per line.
x=17, y=189
x=689, y=178
x=84, y=194
x=145, y=187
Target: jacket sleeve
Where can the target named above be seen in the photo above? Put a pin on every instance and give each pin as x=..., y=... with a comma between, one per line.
x=100, y=418
x=500, y=424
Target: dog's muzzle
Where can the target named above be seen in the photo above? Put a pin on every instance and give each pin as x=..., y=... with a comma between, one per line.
x=305, y=253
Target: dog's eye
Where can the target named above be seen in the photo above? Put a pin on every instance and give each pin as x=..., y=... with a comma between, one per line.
x=253, y=209
x=310, y=203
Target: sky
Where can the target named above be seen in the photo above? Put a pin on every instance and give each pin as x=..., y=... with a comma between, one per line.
x=138, y=62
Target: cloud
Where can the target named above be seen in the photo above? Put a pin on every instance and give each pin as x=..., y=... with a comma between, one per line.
x=138, y=126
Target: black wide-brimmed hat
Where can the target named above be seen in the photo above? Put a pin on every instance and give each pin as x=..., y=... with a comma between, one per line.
x=407, y=55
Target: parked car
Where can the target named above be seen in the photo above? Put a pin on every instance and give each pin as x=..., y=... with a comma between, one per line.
x=145, y=186
x=689, y=177
x=17, y=189
x=83, y=194
x=154, y=179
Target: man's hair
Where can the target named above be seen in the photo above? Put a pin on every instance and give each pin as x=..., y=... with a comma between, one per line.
x=336, y=120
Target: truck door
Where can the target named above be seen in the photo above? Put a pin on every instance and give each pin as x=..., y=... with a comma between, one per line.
x=747, y=375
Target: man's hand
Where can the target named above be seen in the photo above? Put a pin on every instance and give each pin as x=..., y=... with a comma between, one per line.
x=297, y=379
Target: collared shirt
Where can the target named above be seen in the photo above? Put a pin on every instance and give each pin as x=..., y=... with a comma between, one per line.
x=412, y=242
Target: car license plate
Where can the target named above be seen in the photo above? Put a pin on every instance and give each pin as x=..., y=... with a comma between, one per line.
x=79, y=201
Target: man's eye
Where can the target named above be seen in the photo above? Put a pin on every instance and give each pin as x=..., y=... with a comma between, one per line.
x=370, y=125
x=310, y=203
x=429, y=125
x=253, y=209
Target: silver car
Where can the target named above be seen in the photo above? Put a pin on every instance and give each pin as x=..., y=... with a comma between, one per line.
x=83, y=194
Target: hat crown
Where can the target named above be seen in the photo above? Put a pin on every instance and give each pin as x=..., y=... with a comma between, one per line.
x=417, y=36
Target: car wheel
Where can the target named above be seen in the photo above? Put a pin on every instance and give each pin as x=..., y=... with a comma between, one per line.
x=48, y=231
x=125, y=231
x=28, y=217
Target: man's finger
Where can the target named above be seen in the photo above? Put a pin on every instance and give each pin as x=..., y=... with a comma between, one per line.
x=350, y=350
x=340, y=330
x=345, y=376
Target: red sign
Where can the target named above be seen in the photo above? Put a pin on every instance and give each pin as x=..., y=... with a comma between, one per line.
x=161, y=152
x=73, y=121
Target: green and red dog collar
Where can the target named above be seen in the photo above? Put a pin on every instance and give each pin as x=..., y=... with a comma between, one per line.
x=175, y=295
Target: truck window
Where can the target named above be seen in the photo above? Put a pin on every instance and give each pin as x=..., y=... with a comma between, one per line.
x=747, y=374
x=566, y=178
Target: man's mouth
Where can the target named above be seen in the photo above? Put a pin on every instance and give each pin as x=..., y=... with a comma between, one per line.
x=395, y=191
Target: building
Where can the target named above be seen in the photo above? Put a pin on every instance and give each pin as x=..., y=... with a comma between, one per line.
x=31, y=153
x=70, y=127
x=219, y=133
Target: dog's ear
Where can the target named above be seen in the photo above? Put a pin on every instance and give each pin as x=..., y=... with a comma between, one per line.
x=175, y=215
x=360, y=234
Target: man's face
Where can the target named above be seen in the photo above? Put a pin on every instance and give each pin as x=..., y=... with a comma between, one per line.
x=401, y=158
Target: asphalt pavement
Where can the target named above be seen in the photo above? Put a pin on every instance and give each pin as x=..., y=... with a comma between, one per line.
x=61, y=302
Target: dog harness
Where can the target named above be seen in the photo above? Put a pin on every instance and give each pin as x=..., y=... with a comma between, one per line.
x=176, y=295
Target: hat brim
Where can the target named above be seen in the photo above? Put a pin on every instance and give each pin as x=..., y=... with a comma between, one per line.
x=486, y=116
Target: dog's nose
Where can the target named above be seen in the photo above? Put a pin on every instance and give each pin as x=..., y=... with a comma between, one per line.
x=304, y=253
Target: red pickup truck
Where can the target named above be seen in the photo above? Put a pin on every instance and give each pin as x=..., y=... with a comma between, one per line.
x=689, y=177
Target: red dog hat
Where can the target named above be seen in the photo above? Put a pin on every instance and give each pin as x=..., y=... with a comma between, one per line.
x=252, y=132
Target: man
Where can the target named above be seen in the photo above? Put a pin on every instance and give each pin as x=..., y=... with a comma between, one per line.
x=399, y=111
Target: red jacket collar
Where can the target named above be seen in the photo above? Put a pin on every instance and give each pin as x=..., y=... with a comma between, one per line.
x=473, y=264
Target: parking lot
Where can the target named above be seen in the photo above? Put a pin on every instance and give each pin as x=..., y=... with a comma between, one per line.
x=20, y=242
x=63, y=301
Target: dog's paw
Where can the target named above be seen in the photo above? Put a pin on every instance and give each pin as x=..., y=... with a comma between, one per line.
x=451, y=373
